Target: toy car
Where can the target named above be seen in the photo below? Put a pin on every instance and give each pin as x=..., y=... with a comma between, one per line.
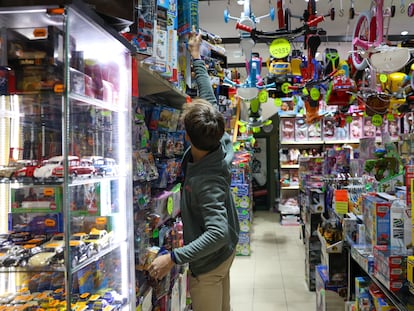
x=27, y=170
x=5, y=239
x=80, y=236
x=105, y=167
x=84, y=167
x=18, y=256
x=20, y=237
x=99, y=239
x=9, y=170
x=48, y=167
x=44, y=257
x=36, y=241
x=80, y=251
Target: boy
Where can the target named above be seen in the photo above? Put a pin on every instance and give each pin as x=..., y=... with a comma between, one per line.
x=209, y=216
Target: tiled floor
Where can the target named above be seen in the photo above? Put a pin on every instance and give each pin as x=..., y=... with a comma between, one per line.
x=272, y=278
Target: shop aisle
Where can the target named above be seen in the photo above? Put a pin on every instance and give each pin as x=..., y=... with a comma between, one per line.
x=273, y=277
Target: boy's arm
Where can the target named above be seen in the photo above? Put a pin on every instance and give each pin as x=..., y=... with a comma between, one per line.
x=203, y=81
x=201, y=75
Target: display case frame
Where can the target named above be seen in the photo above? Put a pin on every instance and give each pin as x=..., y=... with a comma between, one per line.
x=65, y=106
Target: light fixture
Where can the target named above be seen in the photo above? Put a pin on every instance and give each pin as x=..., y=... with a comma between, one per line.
x=404, y=33
x=240, y=2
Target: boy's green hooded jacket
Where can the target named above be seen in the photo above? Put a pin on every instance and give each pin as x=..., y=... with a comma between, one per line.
x=211, y=225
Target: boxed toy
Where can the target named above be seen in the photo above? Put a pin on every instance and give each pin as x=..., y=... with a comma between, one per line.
x=36, y=223
x=362, y=302
x=377, y=218
x=287, y=129
x=355, y=128
x=86, y=199
x=301, y=129
x=394, y=129
x=368, y=130
x=36, y=198
x=330, y=295
x=316, y=199
x=389, y=263
x=315, y=131
x=342, y=132
x=188, y=16
x=145, y=26
x=243, y=246
x=328, y=128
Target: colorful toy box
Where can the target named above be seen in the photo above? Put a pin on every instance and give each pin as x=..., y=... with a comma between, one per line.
x=390, y=262
x=330, y=295
x=315, y=131
x=329, y=128
x=287, y=129
x=355, y=128
x=36, y=223
x=301, y=129
x=36, y=198
x=362, y=302
x=188, y=16
x=377, y=218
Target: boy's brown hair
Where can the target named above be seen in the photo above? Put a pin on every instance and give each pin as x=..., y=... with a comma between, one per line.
x=204, y=124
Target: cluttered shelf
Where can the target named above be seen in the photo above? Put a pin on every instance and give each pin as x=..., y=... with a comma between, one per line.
x=153, y=86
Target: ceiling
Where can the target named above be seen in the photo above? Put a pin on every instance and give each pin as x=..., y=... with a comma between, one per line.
x=211, y=18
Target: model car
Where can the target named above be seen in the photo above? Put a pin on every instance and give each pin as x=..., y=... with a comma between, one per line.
x=37, y=240
x=5, y=239
x=106, y=167
x=54, y=167
x=27, y=170
x=79, y=252
x=76, y=168
x=48, y=167
x=18, y=256
x=44, y=257
x=99, y=239
x=57, y=238
x=20, y=237
x=79, y=236
x=7, y=171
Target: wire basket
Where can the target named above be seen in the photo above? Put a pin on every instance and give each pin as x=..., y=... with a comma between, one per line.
x=377, y=104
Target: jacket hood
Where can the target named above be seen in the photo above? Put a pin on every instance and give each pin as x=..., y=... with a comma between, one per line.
x=215, y=163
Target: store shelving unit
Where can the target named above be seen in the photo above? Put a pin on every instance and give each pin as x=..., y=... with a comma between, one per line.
x=65, y=117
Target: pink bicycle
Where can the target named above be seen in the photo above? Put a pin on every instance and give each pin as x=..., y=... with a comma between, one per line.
x=369, y=46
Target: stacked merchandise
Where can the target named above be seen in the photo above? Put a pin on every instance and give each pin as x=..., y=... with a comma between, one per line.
x=310, y=169
x=158, y=145
x=242, y=193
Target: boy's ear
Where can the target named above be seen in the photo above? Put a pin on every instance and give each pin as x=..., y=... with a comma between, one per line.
x=187, y=138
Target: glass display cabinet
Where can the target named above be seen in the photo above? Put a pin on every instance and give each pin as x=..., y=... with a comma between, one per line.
x=66, y=234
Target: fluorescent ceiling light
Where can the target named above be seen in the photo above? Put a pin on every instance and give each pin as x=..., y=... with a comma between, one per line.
x=404, y=33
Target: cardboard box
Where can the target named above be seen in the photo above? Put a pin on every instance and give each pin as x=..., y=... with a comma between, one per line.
x=188, y=16
x=362, y=293
x=329, y=295
x=377, y=216
x=36, y=199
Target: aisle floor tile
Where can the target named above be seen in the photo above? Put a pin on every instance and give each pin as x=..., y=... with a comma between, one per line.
x=272, y=278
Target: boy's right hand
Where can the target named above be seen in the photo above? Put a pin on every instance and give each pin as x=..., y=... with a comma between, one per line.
x=194, y=42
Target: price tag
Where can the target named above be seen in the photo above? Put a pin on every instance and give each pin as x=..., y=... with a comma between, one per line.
x=377, y=120
x=383, y=77
x=280, y=48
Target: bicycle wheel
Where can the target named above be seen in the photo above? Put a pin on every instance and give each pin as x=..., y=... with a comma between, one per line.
x=363, y=32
